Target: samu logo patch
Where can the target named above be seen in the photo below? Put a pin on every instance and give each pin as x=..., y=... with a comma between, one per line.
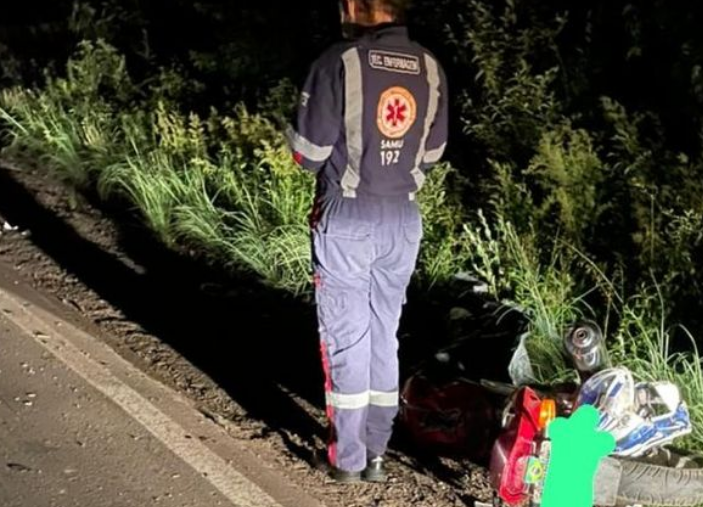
x=397, y=111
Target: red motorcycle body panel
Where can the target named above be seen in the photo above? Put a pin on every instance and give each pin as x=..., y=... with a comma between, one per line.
x=453, y=418
x=513, y=447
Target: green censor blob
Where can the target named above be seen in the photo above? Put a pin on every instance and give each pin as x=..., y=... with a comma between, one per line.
x=577, y=448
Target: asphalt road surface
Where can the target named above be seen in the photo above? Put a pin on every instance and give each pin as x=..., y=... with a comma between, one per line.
x=80, y=427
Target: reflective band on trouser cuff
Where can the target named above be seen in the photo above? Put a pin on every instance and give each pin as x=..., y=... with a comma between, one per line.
x=354, y=103
x=433, y=156
x=348, y=401
x=380, y=399
x=308, y=149
x=433, y=81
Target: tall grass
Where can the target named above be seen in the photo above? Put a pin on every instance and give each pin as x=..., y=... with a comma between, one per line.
x=224, y=186
x=510, y=263
x=636, y=328
x=56, y=136
x=643, y=343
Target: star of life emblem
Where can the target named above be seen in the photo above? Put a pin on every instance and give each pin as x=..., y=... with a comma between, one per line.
x=397, y=111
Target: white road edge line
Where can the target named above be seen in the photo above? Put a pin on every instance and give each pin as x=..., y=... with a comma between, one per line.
x=233, y=485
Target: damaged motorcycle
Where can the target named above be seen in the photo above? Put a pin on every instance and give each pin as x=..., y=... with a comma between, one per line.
x=502, y=425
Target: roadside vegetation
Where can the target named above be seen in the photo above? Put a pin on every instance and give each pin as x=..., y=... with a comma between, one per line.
x=569, y=192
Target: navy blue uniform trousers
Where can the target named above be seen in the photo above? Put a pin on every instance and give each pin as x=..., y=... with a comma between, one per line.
x=364, y=254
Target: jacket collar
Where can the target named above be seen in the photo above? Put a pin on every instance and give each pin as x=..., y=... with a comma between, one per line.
x=384, y=31
x=388, y=30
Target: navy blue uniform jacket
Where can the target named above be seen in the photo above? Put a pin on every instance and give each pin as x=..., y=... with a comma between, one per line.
x=372, y=117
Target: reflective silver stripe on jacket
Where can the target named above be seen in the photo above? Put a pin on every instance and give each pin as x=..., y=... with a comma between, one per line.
x=308, y=149
x=354, y=105
x=433, y=156
x=433, y=81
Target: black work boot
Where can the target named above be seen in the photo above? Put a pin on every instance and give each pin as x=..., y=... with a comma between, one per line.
x=344, y=477
x=374, y=471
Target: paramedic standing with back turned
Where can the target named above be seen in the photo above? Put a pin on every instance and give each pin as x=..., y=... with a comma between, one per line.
x=372, y=120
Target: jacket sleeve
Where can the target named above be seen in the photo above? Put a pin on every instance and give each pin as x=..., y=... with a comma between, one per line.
x=436, y=143
x=317, y=122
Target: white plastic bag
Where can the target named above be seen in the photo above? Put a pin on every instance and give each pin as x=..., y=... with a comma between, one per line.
x=520, y=367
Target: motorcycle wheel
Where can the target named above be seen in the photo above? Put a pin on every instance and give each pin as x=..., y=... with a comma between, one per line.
x=665, y=478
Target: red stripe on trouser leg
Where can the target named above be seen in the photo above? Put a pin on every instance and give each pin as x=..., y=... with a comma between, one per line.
x=315, y=214
x=332, y=442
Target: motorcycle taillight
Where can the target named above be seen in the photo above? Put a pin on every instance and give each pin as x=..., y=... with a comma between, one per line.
x=514, y=446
